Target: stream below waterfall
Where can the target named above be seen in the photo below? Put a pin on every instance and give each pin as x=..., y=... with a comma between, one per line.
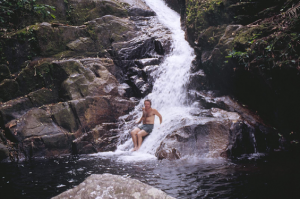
x=251, y=177
x=254, y=176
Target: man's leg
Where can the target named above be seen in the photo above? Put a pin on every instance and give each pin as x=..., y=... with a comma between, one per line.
x=134, y=133
x=140, y=136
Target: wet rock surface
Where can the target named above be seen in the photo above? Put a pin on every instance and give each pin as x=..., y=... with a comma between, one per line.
x=113, y=186
x=83, y=77
x=217, y=133
x=232, y=46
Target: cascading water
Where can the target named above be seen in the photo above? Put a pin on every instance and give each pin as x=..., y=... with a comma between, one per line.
x=169, y=93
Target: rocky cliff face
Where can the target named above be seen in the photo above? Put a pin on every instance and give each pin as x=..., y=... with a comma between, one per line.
x=64, y=85
x=250, y=51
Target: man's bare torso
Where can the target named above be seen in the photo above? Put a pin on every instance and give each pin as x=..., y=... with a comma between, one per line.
x=148, y=116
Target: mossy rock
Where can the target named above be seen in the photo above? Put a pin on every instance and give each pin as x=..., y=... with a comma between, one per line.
x=9, y=89
x=43, y=96
x=65, y=54
x=73, y=68
x=210, y=37
x=14, y=109
x=4, y=72
x=82, y=44
x=246, y=35
x=108, y=29
x=87, y=10
x=35, y=77
x=39, y=74
x=19, y=47
x=54, y=40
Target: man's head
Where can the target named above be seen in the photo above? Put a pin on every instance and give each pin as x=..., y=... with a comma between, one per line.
x=147, y=103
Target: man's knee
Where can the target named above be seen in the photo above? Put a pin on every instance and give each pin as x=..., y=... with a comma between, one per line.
x=134, y=132
x=142, y=133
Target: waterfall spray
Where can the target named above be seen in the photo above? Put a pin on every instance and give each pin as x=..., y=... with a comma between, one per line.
x=169, y=94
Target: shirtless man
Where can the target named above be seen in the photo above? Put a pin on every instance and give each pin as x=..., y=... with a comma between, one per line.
x=146, y=128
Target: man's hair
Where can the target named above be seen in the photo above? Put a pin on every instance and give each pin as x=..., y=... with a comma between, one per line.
x=147, y=100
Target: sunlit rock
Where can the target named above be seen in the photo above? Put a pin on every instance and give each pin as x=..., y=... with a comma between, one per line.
x=112, y=186
x=82, y=44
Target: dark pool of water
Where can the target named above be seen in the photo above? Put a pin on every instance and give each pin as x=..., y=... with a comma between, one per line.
x=275, y=177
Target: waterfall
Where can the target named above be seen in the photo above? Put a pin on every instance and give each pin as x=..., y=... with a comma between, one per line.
x=169, y=94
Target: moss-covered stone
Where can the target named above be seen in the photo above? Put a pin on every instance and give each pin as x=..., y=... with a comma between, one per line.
x=9, y=89
x=87, y=10
x=82, y=44
x=108, y=29
x=43, y=96
x=34, y=77
x=210, y=37
x=4, y=72
x=53, y=40
x=74, y=67
x=22, y=47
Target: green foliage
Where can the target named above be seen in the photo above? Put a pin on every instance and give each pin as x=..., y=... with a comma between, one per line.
x=242, y=57
x=204, y=13
x=270, y=52
x=14, y=12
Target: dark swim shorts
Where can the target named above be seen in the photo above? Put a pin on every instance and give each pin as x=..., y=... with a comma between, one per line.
x=146, y=127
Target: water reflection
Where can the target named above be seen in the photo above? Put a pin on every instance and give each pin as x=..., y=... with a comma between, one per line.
x=188, y=178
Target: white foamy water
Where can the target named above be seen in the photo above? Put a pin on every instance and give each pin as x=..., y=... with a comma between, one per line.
x=169, y=93
x=168, y=96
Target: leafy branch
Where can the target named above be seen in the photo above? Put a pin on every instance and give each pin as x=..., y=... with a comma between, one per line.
x=14, y=12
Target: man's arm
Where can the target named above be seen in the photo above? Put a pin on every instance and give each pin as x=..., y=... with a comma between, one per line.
x=140, y=120
x=158, y=114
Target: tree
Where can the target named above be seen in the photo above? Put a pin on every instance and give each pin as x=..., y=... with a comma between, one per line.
x=13, y=13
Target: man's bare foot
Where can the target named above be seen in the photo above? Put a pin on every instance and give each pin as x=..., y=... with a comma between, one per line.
x=134, y=149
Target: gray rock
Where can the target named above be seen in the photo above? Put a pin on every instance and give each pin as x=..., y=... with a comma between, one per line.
x=63, y=115
x=82, y=44
x=209, y=138
x=112, y=186
x=43, y=96
x=134, y=11
x=37, y=122
x=14, y=109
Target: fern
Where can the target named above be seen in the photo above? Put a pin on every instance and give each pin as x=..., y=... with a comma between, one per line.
x=293, y=12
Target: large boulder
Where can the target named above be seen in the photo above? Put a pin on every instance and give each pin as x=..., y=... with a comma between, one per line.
x=14, y=109
x=112, y=186
x=103, y=137
x=208, y=137
x=53, y=40
x=216, y=132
